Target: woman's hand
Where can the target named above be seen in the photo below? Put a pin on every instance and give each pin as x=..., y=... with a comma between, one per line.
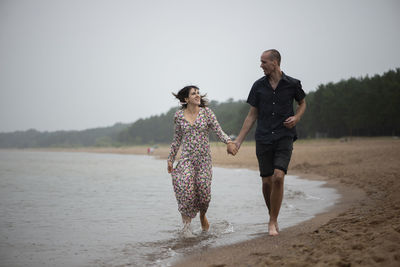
x=231, y=148
x=170, y=167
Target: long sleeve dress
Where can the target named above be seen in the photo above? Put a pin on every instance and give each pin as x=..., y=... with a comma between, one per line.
x=191, y=178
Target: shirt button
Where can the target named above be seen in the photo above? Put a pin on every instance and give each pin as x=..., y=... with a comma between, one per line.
x=273, y=113
x=273, y=103
x=272, y=132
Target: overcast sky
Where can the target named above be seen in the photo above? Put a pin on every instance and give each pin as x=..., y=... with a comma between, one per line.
x=73, y=65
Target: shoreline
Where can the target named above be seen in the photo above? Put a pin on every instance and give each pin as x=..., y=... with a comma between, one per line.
x=363, y=228
x=250, y=252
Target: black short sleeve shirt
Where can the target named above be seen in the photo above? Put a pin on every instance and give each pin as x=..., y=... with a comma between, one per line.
x=274, y=107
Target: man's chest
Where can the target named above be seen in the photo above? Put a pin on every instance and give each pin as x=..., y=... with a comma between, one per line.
x=282, y=95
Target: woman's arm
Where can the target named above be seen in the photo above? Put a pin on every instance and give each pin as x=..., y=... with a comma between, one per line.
x=231, y=147
x=176, y=143
x=214, y=124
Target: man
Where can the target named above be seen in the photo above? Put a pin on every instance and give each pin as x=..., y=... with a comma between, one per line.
x=271, y=104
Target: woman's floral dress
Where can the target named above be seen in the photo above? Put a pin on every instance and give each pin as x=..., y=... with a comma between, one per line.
x=192, y=175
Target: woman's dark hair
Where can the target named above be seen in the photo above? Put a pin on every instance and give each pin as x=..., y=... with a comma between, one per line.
x=184, y=93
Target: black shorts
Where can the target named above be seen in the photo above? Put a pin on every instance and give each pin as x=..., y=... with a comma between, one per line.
x=274, y=156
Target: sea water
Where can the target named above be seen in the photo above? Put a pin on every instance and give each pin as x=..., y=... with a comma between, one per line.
x=86, y=209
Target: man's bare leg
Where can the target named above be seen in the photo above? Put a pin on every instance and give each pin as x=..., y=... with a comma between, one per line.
x=266, y=189
x=204, y=222
x=276, y=200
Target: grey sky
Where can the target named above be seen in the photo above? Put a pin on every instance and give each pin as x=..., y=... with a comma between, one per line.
x=83, y=64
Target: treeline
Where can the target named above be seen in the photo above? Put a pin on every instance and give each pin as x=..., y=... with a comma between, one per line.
x=367, y=106
x=102, y=136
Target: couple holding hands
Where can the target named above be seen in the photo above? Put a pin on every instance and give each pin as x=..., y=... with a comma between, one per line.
x=271, y=105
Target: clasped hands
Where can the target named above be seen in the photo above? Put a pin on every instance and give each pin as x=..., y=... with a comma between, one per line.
x=232, y=148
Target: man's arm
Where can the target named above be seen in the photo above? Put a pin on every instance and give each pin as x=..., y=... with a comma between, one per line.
x=293, y=120
x=247, y=125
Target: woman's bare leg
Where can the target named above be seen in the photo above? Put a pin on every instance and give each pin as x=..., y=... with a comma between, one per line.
x=204, y=222
x=187, y=232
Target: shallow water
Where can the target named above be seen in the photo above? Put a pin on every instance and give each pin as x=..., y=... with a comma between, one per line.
x=83, y=209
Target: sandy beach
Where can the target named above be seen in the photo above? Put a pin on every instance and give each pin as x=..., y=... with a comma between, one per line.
x=362, y=230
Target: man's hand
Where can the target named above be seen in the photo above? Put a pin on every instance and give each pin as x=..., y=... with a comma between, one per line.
x=291, y=122
x=237, y=145
x=170, y=167
x=231, y=148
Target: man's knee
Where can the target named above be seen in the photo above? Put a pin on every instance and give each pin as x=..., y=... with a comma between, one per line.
x=278, y=176
x=267, y=180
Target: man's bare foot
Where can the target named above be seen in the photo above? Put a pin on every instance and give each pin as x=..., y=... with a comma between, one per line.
x=204, y=223
x=276, y=223
x=272, y=229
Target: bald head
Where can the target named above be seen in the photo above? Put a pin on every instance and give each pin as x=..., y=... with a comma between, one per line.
x=273, y=54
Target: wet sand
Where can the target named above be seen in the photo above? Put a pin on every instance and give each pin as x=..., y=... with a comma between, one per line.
x=362, y=230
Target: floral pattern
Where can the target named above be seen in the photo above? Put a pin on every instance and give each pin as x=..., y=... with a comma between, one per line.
x=191, y=178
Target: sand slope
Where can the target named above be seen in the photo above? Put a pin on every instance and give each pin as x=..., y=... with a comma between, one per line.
x=364, y=230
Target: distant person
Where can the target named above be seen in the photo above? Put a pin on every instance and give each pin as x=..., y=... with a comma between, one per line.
x=271, y=104
x=191, y=177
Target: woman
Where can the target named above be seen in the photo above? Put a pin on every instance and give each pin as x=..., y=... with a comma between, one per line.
x=191, y=177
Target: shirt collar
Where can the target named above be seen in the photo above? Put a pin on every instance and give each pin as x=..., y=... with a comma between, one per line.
x=284, y=77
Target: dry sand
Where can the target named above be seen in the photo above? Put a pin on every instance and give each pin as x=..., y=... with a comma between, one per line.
x=362, y=230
